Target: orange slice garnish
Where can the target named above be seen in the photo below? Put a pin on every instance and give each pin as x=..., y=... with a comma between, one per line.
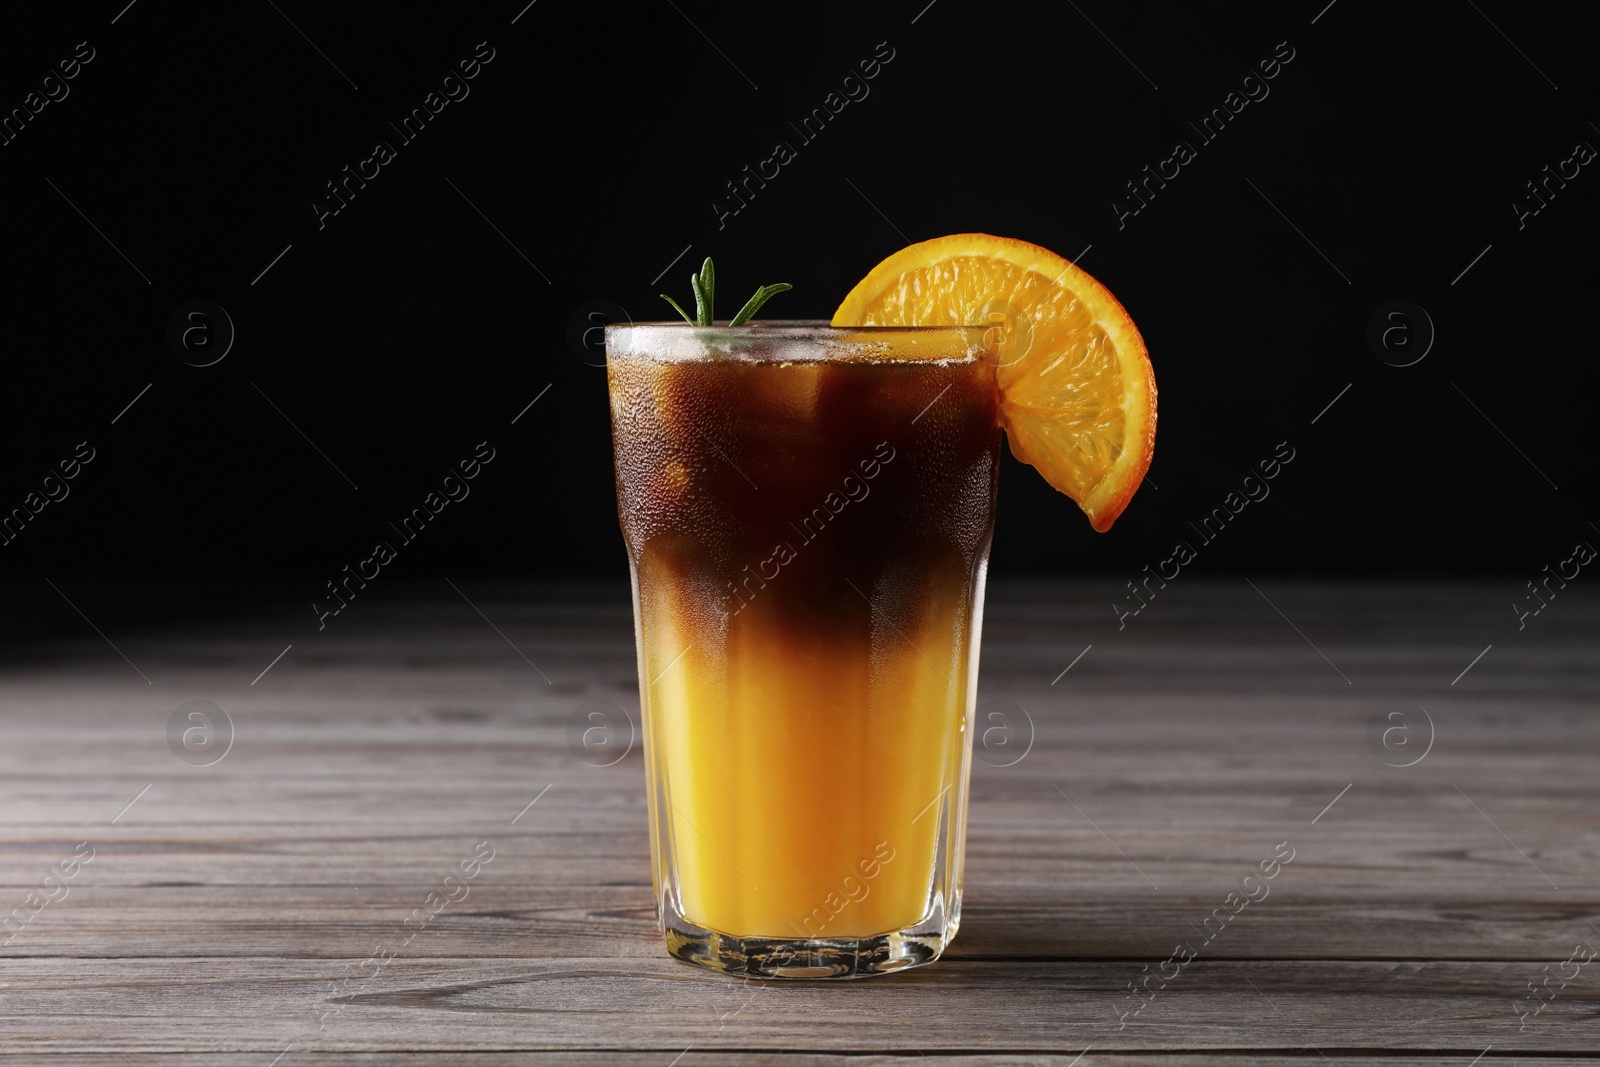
x=1077, y=393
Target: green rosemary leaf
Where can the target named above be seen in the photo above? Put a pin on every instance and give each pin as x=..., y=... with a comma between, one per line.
x=753, y=305
x=678, y=309
x=708, y=285
x=702, y=307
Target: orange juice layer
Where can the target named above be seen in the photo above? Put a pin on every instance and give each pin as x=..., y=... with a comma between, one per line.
x=806, y=772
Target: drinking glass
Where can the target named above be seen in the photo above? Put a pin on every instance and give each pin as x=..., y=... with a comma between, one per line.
x=807, y=511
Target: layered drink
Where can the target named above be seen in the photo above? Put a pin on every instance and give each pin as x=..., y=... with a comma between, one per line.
x=807, y=512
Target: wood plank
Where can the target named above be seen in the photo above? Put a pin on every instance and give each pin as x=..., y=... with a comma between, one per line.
x=1041, y=894
x=264, y=1005
x=696, y=1057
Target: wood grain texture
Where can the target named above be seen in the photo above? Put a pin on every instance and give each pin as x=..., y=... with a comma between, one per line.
x=695, y=1057
x=227, y=912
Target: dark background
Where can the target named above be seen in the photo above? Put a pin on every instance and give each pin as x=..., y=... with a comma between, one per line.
x=416, y=324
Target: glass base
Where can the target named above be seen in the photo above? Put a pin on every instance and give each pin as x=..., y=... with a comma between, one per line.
x=759, y=957
x=843, y=957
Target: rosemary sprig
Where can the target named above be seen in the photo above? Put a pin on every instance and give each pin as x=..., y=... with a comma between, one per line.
x=704, y=285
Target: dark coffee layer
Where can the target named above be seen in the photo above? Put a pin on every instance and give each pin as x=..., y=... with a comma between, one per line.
x=774, y=487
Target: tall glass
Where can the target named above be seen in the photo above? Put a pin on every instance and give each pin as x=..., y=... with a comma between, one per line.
x=808, y=512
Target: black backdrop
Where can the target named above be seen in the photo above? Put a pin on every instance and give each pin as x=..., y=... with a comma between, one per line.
x=376, y=346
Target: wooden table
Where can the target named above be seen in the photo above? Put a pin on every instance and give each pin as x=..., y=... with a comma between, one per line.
x=254, y=911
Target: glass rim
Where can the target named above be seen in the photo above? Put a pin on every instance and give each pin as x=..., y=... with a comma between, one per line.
x=795, y=341
x=820, y=326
